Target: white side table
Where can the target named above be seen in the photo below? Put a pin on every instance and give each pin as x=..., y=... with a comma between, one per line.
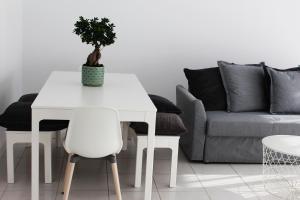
x=281, y=166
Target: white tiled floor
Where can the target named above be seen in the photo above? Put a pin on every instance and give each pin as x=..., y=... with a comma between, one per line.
x=93, y=179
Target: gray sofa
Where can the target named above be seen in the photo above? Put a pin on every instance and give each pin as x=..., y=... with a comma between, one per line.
x=220, y=136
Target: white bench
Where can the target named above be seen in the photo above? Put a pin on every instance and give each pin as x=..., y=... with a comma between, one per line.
x=14, y=137
x=161, y=141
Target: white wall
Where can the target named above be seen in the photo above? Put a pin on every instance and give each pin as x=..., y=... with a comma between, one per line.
x=10, y=53
x=158, y=38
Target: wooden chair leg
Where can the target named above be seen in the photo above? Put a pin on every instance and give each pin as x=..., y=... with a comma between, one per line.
x=69, y=181
x=114, y=168
x=68, y=178
x=66, y=173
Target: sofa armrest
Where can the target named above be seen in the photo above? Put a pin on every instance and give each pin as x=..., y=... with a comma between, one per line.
x=194, y=118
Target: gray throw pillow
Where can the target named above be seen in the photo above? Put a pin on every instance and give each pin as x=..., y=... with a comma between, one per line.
x=244, y=86
x=285, y=91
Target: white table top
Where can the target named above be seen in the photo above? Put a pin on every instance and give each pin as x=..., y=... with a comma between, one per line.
x=286, y=144
x=63, y=90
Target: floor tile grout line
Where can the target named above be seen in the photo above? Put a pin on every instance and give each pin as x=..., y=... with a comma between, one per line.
x=204, y=188
x=246, y=183
x=159, y=196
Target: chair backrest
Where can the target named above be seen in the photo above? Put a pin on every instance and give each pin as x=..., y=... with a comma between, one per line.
x=94, y=132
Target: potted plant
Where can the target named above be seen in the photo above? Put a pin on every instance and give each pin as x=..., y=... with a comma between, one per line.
x=99, y=34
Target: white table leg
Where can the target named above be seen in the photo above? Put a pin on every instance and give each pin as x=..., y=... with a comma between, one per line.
x=10, y=158
x=35, y=158
x=48, y=158
x=140, y=146
x=150, y=119
x=174, y=163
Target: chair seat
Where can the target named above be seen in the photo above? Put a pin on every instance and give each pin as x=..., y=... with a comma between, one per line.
x=17, y=117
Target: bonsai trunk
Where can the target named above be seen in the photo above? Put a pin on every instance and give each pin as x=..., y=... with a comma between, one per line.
x=94, y=57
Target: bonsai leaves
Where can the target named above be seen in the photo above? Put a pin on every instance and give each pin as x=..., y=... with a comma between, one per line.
x=95, y=32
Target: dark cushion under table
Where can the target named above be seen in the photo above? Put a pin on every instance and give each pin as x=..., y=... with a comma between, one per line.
x=166, y=124
x=164, y=105
x=17, y=117
x=28, y=97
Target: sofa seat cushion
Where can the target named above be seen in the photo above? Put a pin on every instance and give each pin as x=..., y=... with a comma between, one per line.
x=251, y=124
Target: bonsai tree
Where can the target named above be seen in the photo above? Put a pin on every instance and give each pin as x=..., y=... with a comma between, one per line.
x=97, y=33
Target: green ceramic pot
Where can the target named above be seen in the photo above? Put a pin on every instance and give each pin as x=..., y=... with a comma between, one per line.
x=92, y=76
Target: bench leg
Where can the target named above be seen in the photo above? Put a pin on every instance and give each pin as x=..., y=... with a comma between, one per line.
x=125, y=129
x=60, y=136
x=10, y=159
x=57, y=138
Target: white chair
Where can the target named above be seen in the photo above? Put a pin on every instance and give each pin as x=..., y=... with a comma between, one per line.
x=14, y=137
x=161, y=141
x=93, y=133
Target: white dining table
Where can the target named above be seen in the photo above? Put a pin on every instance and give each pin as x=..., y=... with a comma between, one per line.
x=63, y=92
